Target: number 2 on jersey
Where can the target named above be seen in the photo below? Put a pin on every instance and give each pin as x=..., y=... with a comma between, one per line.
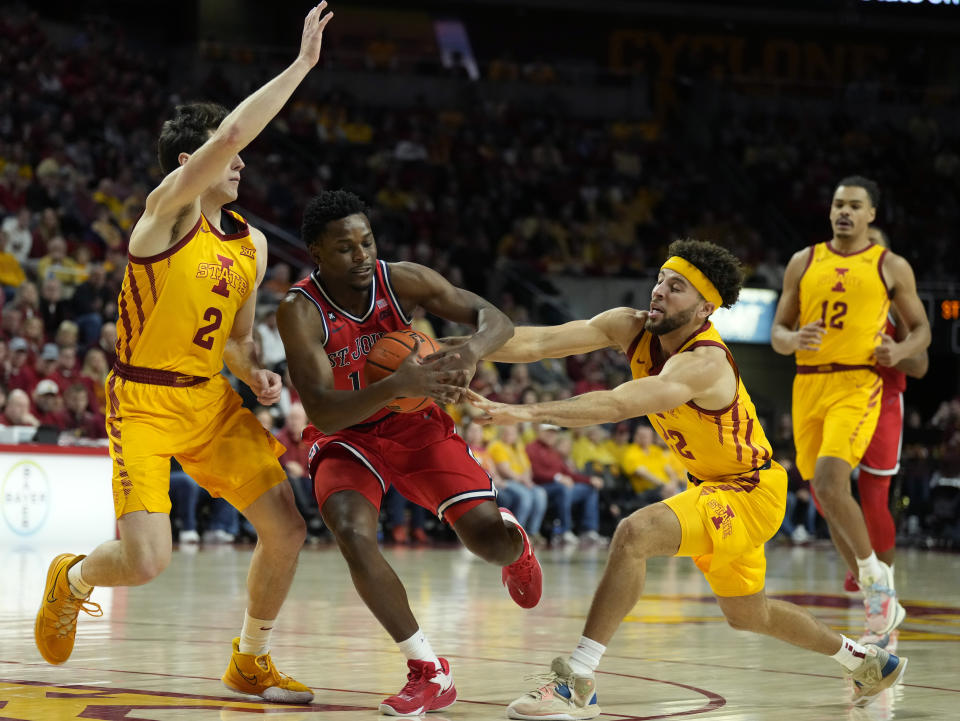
x=204, y=336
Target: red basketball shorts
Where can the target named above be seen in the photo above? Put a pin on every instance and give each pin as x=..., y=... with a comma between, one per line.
x=418, y=453
x=882, y=457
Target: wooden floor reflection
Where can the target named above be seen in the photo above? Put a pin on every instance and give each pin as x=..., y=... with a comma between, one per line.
x=159, y=650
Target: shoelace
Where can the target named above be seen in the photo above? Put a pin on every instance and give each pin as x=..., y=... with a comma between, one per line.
x=523, y=570
x=73, y=606
x=547, y=681
x=418, y=674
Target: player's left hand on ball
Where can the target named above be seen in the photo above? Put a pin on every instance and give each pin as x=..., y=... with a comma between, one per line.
x=267, y=386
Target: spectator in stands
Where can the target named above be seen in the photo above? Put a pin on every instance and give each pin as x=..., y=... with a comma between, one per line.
x=514, y=477
x=19, y=235
x=107, y=343
x=27, y=300
x=54, y=306
x=646, y=466
x=57, y=264
x=48, y=405
x=565, y=487
x=82, y=422
x=11, y=322
x=95, y=371
x=271, y=345
x=35, y=334
x=276, y=284
x=20, y=372
x=16, y=411
x=93, y=300
x=46, y=362
x=295, y=463
x=402, y=530
x=11, y=272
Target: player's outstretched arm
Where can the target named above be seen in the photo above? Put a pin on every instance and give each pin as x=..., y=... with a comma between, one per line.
x=186, y=183
x=685, y=377
x=330, y=410
x=785, y=337
x=419, y=285
x=613, y=328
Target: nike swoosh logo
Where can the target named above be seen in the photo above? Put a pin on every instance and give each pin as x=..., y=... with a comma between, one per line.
x=249, y=679
x=50, y=597
x=266, y=628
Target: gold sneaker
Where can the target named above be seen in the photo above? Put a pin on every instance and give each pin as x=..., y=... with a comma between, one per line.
x=880, y=670
x=257, y=676
x=56, y=626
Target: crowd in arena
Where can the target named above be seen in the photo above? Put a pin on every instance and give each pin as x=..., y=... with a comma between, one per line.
x=461, y=189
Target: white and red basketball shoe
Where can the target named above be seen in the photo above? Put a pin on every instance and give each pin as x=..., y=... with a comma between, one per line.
x=428, y=688
x=524, y=577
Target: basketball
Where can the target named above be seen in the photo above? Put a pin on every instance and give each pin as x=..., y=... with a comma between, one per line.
x=388, y=353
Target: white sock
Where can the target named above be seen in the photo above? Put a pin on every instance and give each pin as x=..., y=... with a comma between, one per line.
x=586, y=656
x=851, y=654
x=869, y=569
x=417, y=648
x=79, y=587
x=255, y=636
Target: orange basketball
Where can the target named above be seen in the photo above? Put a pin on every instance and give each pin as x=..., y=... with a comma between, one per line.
x=388, y=353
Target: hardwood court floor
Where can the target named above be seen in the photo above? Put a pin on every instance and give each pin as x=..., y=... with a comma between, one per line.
x=159, y=650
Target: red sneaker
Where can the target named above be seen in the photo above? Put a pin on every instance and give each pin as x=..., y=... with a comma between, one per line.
x=850, y=585
x=423, y=691
x=524, y=577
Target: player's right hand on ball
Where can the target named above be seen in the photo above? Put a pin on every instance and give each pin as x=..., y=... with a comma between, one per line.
x=416, y=378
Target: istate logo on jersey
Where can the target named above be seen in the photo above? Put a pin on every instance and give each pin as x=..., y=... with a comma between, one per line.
x=25, y=498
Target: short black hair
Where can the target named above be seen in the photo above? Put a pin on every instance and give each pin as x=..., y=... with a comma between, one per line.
x=721, y=267
x=323, y=209
x=186, y=131
x=858, y=181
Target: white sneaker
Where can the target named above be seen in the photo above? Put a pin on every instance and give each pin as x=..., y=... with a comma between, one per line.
x=884, y=612
x=800, y=535
x=217, y=535
x=592, y=538
x=564, y=697
x=189, y=537
x=569, y=538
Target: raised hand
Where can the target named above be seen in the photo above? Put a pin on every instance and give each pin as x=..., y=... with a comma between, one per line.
x=313, y=26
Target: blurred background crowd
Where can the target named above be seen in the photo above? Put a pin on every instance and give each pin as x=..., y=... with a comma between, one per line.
x=506, y=159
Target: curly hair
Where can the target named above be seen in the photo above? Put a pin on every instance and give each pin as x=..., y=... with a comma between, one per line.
x=186, y=131
x=323, y=209
x=720, y=266
x=858, y=181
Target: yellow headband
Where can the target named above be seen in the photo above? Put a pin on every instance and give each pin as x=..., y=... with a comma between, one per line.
x=696, y=278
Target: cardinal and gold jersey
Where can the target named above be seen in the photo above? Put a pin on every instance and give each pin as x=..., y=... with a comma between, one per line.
x=711, y=445
x=849, y=294
x=166, y=396
x=177, y=307
x=736, y=495
x=836, y=393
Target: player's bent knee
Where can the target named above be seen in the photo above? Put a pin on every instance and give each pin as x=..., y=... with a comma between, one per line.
x=144, y=565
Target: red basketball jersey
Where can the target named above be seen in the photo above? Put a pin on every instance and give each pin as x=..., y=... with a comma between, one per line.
x=894, y=381
x=349, y=338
